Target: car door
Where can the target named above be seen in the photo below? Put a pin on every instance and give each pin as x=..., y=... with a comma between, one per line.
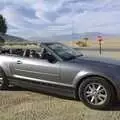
x=36, y=70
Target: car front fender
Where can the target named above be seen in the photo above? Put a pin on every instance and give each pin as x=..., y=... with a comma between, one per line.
x=112, y=79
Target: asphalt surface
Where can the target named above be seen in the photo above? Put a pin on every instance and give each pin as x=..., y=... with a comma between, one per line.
x=97, y=49
x=114, y=54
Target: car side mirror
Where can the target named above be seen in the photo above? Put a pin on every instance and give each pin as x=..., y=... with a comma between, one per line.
x=51, y=58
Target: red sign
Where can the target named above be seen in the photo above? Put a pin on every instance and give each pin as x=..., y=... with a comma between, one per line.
x=99, y=38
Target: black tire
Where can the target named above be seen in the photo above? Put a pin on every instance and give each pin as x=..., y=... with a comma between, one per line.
x=3, y=80
x=90, y=97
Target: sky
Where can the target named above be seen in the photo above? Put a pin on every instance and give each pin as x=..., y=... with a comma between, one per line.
x=47, y=18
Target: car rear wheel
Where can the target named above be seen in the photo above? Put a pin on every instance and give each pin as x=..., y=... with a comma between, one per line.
x=96, y=92
x=3, y=80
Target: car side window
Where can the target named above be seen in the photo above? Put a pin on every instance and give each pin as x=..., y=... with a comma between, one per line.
x=34, y=54
x=31, y=54
x=12, y=52
x=43, y=54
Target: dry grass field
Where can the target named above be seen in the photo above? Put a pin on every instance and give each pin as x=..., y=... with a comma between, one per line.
x=21, y=104
x=113, y=42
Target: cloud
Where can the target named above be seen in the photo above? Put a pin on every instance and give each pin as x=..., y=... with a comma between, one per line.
x=95, y=21
x=44, y=18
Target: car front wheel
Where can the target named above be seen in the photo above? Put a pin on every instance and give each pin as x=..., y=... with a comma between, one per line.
x=96, y=93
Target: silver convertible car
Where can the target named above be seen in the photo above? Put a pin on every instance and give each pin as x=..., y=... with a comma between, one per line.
x=59, y=69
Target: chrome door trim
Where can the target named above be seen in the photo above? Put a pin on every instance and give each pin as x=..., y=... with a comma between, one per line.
x=37, y=72
x=43, y=81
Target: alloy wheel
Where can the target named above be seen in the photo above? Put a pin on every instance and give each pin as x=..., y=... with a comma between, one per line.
x=95, y=94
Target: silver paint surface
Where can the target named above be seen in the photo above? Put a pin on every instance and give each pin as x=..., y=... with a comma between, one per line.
x=63, y=73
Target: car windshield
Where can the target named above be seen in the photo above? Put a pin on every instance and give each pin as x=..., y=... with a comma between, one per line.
x=63, y=51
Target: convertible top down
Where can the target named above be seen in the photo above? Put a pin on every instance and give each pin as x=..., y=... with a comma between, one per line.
x=60, y=69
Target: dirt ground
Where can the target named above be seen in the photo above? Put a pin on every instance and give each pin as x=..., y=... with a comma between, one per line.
x=20, y=104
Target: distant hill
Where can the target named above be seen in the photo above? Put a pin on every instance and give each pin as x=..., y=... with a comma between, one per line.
x=10, y=38
x=69, y=37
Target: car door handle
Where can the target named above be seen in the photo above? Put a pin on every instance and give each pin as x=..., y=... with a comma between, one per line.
x=19, y=62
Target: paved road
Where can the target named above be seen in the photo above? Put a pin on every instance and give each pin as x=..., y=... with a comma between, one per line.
x=97, y=49
x=110, y=54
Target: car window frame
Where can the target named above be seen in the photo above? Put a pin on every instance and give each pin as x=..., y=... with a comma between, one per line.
x=38, y=58
x=52, y=52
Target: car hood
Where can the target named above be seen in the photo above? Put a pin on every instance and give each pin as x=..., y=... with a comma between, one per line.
x=103, y=60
